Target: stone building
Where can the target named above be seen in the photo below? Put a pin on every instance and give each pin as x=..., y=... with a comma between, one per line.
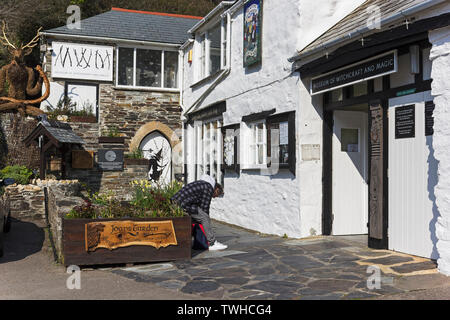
x=120, y=71
x=324, y=118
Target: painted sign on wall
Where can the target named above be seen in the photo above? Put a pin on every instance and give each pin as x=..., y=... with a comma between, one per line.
x=252, y=31
x=82, y=61
x=362, y=71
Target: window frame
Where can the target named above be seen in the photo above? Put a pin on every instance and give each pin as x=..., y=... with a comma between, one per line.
x=203, y=49
x=134, y=86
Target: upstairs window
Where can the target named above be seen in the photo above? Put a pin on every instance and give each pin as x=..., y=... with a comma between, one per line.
x=147, y=68
x=211, y=48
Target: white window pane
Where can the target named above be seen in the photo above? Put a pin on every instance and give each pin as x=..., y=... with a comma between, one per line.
x=214, y=50
x=170, y=69
x=125, y=72
x=84, y=96
x=148, y=68
x=260, y=154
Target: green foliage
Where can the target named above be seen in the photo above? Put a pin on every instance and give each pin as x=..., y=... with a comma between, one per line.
x=135, y=154
x=112, y=132
x=66, y=107
x=21, y=174
x=148, y=201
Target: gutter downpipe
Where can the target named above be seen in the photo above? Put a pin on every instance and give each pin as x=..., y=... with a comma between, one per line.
x=361, y=31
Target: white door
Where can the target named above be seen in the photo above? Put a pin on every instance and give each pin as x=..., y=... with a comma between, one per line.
x=350, y=190
x=157, y=148
x=412, y=177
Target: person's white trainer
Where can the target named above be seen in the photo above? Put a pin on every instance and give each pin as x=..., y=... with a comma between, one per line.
x=217, y=246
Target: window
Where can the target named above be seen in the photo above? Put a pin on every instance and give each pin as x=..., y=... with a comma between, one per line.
x=212, y=50
x=147, y=68
x=270, y=143
x=209, y=149
x=258, y=144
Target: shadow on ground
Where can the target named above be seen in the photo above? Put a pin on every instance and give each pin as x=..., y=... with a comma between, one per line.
x=24, y=239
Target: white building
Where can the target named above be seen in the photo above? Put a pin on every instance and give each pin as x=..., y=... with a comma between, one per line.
x=344, y=94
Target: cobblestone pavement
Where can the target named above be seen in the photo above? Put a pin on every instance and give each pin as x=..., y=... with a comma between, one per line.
x=267, y=267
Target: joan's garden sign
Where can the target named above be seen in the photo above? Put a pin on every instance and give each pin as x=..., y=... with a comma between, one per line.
x=252, y=32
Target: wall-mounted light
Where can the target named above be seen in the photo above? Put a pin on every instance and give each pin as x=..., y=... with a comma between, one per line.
x=414, y=52
x=190, y=56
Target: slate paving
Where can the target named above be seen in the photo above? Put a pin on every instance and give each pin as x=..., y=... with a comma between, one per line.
x=267, y=267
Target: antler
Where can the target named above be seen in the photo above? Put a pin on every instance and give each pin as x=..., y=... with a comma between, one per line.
x=33, y=41
x=4, y=39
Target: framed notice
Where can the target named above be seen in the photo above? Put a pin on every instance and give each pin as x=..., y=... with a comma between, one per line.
x=429, y=118
x=110, y=159
x=252, y=32
x=405, y=122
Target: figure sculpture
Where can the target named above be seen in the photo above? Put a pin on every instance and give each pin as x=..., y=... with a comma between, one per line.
x=20, y=79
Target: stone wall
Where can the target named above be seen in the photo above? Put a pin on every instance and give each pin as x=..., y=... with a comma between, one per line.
x=440, y=57
x=27, y=202
x=13, y=129
x=61, y=199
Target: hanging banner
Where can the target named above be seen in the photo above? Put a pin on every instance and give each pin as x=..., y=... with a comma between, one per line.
x=252, y=32
x=117, y=234
x=82, y=61
x=362, y=71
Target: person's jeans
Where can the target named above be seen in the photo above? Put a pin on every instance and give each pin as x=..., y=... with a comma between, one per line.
x=203, y=218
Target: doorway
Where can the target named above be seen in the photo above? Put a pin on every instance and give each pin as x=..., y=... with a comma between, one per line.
x=350, y=171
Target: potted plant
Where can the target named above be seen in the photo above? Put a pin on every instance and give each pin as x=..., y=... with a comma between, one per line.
x=111, y=135
x=66, y=110
x=148, y=228
x=136, y=157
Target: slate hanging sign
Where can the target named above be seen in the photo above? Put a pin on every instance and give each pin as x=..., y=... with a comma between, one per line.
x=405, y=122
x=110, y=159
x=429, y=119
x=362, y=71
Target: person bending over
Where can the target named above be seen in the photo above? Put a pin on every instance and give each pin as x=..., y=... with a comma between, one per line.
x=195, y=198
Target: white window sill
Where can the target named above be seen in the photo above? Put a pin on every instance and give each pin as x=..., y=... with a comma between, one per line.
x=118, y=87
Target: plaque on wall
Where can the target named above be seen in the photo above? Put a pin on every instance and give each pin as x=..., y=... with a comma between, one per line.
x=405, y=122
x=429, y=119
x=110, y=159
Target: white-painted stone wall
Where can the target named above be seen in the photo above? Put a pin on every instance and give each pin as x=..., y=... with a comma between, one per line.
x=440, y=57
x=282, y=204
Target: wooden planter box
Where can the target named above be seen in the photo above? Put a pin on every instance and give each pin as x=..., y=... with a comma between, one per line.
x=76, y=253
x=139, y=162
x=85, y=119
x=111, y=140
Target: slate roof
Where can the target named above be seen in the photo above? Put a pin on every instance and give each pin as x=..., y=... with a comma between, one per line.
x=358, y=18
x=134, y=25
x=62, y=132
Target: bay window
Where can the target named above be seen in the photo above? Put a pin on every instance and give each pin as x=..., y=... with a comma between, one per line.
x=147, y=68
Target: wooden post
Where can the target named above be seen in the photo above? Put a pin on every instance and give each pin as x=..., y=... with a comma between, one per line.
x=377, y=167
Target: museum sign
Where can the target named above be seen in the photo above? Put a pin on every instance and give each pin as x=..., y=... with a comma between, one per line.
x=362, y=71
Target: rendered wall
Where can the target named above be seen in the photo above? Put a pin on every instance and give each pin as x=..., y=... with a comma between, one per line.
x=440, y=57
x=283, y=203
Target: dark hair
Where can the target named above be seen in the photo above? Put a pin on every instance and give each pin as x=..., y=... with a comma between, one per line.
x=219, y=187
